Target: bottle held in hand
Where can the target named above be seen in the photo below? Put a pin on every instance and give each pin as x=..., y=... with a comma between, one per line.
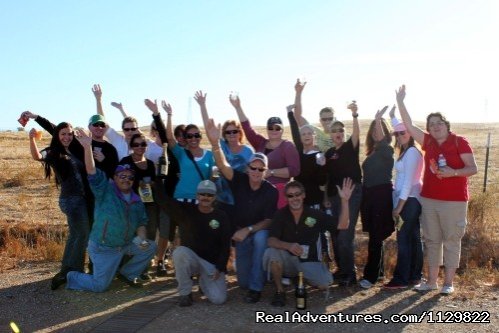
x=163, y=163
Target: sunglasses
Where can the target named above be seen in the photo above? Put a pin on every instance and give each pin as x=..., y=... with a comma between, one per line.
x=399, y=133
x=136, y=145
x=128, y=129
x=327, y=119
x=192, y=135
x=254, y=168
x=130, y=178
x=338, y=130
x=209, y=195
x=293, y=195
x=231, y=132
x=101, y=125
x=438, y=123
x=274, y=128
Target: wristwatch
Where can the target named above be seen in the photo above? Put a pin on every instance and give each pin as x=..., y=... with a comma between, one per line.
x=250, y=228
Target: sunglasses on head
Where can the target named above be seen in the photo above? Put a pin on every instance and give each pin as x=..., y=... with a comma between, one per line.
x=255, y=168
x=128, y=129
x=130, y=177
x=293, y=195
x=101, y=125
x=338, y=130
x=327, y=119
x=399, y=133
x=192, y=135
x=137, y=144
x=274, y=128
x=228, y=132
x=209, y=195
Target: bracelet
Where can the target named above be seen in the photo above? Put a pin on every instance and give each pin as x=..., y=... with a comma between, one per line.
x=355, y=115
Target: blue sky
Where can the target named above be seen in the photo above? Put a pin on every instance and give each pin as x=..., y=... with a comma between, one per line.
x=53, y=51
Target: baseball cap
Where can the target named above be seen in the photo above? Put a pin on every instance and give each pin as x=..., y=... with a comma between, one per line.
x=97, y=118
x=274, y=121
x=123, y=167
x=207, y=186
x=259, y=157
x=399, y=127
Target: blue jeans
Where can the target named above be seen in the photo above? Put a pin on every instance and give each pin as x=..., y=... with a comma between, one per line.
x=249, y=259
x=343, y=240
x=75, y=209
x=106, y=261
x=410, y=250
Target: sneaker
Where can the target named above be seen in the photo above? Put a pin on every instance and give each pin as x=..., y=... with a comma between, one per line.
x=252, y=296
x=185, y=300
x=392, y=285
x=135, y=283
x=415, y=282
x=447, y=290
x=286, y=281
x=365, y=284
x=161, y=269
x=279, y=299
x=426, y=286
x=58, y=280
x=347, y=282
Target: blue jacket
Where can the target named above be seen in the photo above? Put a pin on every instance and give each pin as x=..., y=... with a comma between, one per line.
x=115, y=220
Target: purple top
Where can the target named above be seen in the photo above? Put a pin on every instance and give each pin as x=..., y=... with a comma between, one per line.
x=285, y=155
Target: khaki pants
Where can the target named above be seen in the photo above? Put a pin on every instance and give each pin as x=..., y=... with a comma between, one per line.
x=444, y=224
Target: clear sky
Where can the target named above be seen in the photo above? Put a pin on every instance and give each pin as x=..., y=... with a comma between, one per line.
x=446, y=52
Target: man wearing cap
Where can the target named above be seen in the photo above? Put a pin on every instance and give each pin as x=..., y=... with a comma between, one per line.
x=205, y=247
x=119, y=228
x=105, y=155
x=255, y=200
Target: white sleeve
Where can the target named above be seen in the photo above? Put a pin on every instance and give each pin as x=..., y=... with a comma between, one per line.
x=113, y=137
x=411, y=161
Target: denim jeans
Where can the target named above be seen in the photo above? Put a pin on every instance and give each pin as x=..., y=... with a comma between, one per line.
x=249, y=259
x=343, y=240
x=106, y=261
x=75, y=209
x=410, y=250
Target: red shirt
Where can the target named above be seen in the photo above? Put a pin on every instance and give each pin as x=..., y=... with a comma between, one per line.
x=452, y=188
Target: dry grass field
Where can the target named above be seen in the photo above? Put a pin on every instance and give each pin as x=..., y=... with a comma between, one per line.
x=32, y=228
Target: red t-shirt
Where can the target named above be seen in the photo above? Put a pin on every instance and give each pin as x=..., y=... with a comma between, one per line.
x=452, y=188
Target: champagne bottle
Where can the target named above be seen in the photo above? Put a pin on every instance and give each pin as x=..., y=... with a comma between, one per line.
x=301, y=293
x=163, y=163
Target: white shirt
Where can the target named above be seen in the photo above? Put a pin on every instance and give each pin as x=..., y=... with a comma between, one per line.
x=408, y=176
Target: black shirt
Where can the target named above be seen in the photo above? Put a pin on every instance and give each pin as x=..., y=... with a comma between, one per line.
x=308, y=231
x=110, y=161
x=252, y=206
x=342, y=163
x=150, y=171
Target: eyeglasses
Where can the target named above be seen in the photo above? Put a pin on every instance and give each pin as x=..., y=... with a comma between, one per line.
x=101, y=125
x=327, y=119
x=193, y=135
x=209, y=195
x=338, y=130
x=399, y=133
x=274, y=128
x=128, y=129
x=130, y=178
x=438, y=123
x=254, y=168
x=136, y=144
x=229, y=132
x=293, y=195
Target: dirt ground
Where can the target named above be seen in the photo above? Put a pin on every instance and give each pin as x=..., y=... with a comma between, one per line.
x=26, y=299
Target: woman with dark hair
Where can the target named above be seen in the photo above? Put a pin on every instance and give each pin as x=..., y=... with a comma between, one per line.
x=407, y=209
x=376, y=207
x=64, y=157
x=444, y=195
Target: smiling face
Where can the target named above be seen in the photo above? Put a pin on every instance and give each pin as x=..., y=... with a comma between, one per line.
x=232, y=134
x=402, y=137
x=66, y=136
x=256, y=171
x=437, y=128
x=192, y=138
x=326, y=118
x=205, y=200
x=295, y=197
x=274, y=131
x=338, y=134
x=129, y=129
x=307, y=136
x=138, y=145
x=98, y=130
x=124, y=181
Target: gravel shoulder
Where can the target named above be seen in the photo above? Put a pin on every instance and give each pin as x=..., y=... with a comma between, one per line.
x=25, y=298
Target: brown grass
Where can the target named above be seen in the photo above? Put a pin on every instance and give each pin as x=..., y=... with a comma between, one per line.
x=33, y=228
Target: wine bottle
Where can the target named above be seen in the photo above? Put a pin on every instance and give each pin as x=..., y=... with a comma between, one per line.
x=163, y=163
x=301, y=293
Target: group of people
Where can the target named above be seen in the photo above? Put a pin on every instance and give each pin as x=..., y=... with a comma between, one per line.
x=283, y=205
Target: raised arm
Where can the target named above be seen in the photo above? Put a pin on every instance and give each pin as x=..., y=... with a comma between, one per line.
x=33, y=148
x=98, y=98
x=355, y=123
x=213, y=134
x=169, y=127
x=201, y=99
x=414, y=131
x=120, y=107
x=86, y=141
x=379, y=133
x=236, y=103
x=295, y=131
x=299, y=86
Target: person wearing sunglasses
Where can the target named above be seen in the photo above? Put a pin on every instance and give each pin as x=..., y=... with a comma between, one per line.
x=444, y=194
x=105, y=155
x=205, y=244
x=376, y=207
x=255, y=201
x=128, y=125
x=407, y=209
x=342, y=161
x=326, y=118
x=119, y=229
x=284, y=161
x=295, y=239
